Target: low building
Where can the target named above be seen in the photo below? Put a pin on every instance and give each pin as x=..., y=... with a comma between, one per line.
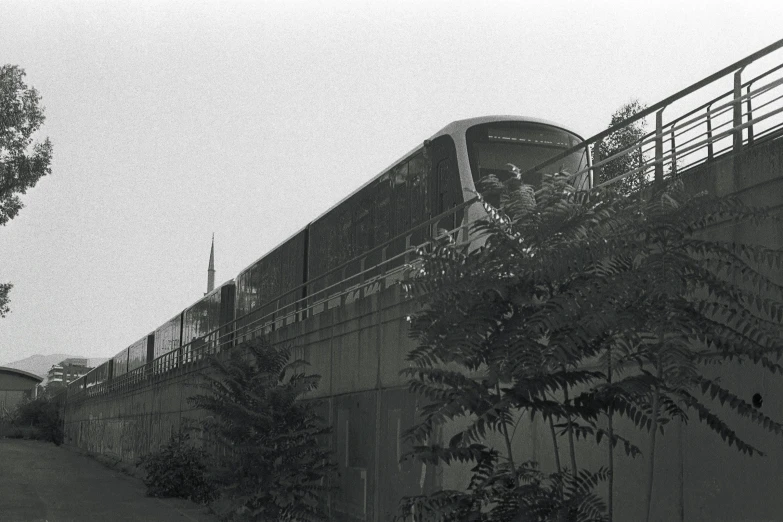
x=15, y=385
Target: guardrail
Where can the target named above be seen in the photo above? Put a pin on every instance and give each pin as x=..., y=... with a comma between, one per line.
x=749, y=112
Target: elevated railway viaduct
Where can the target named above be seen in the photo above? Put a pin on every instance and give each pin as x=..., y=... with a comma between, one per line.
x=358, y=344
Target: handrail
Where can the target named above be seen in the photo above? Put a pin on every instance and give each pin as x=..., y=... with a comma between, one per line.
x=667, y=132
x=739, y=65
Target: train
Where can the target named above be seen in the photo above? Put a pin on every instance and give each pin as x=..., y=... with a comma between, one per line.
x=357, y=246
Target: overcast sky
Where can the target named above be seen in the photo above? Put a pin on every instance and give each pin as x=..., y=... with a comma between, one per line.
x=171, y=122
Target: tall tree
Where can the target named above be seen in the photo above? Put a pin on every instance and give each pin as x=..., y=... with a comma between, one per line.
x=619, y=141
x=22, y=162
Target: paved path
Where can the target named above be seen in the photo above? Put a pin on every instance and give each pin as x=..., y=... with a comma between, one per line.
x=40, y=482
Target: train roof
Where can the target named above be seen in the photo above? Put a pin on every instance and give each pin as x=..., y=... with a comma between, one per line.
x=465, y=124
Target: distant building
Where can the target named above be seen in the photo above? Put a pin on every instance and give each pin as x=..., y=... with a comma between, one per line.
x=15, y=385
x=67, y=371
x=211, y=268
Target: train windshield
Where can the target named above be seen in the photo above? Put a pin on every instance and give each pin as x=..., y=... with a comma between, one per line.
x=496, y=148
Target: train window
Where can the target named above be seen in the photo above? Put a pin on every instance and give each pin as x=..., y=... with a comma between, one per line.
x=201, y=319
x=399, y=174
x=167, y=337
x=253, y=287
x=383, y=211
x=137, y=354
x=121, y=363
x=363, y=222
x=400, y=199
x=345, y=248
x=495, y=148
x=442, y=172
x=444, y=195
x=418, y=202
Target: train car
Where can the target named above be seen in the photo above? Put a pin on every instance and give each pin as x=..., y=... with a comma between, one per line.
x=97, y=375
x=370, y=231
x=137, y=353
x=168, y=341
x=269, y=290
x=120, y=364
x=201, y=323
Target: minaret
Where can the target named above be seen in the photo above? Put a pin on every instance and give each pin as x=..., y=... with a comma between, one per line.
x=211, y=269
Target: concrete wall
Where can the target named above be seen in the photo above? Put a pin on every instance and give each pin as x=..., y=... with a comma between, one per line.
x=358, y=349
x=129, y=423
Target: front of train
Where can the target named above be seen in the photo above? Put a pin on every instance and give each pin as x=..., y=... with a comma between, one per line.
x=506, y=146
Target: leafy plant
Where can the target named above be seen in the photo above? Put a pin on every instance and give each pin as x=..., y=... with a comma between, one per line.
x=273, y=464
x=582, y=307
x=178, y=469
x=5, y=289
x=525, y=494
x=22, y=163
x=43, y=415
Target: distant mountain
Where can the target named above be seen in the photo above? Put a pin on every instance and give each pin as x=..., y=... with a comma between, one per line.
x=40, y=364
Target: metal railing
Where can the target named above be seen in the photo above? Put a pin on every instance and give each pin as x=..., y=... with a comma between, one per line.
x=748, y=113
x=349, y=288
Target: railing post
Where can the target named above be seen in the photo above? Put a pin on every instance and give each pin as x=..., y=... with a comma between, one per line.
x=750, y=117
x=642, y=164
x=737, y=110
x=674, y=155
x=659, y=146
x=595, y=172
x=709, y=133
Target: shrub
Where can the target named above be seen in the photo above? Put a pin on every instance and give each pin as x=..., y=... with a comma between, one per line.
x=273, y=463
x=40, y=419
x=178, y=469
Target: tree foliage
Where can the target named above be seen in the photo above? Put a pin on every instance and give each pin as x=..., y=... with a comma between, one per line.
x=22, y=162
x=618, y=142
x=581, y=307
x=272, y=463
x=5, y=289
